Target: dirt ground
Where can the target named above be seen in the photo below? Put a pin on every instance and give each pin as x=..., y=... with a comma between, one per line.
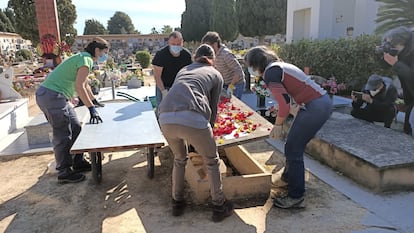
x=31, y=200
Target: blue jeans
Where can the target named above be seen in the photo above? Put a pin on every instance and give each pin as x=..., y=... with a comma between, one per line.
x=238, y=89
x=306, y=124
x=411, y=120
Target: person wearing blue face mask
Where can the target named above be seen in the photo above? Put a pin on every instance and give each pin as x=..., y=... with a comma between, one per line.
x=53, y=98
x=167, y=62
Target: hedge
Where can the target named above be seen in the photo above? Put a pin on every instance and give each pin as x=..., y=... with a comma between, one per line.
x=143, y=57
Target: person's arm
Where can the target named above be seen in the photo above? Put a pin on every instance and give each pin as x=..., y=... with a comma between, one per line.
x=388, y=101
x=233, y=63
x=157, y=77
x=273, y=79
x=81, y=86
x=215, y=98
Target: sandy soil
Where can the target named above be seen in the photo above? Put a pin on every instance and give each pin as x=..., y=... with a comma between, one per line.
x=31, y=200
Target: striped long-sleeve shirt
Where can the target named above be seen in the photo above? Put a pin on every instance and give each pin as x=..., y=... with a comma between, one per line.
x=228, y=65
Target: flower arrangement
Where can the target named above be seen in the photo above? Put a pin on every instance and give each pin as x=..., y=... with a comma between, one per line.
x=93, y=81
x=332, y=86
x=260, y=88
x=49, y=46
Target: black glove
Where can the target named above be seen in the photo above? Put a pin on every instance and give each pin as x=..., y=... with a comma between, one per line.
x=97, y=104
x=95, y=118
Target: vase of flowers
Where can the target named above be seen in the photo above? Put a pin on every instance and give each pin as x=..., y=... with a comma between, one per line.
x=262, y=91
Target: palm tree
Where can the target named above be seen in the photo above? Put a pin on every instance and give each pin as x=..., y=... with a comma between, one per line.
x=394, y=13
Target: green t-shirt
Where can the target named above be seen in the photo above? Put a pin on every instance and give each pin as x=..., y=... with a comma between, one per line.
x=63, y=77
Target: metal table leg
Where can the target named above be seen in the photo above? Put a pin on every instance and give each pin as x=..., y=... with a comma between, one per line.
x=150, y=161
x=96, y=162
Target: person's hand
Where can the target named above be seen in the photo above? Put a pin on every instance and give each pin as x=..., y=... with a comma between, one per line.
x=294, y=109
x=367, y=98
x=230, y=90
x=164, y=93
x=354, y=98
x=97, y=104
x=390, y=59
x=95, y=118
x=277, y=132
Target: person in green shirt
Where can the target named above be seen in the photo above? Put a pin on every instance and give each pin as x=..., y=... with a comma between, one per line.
x=66, y=80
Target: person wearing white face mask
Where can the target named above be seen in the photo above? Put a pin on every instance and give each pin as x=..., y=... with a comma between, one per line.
x=53, y=98
x=167, y=62
x=377, y=101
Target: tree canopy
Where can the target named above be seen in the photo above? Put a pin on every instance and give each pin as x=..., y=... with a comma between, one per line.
x=195, y=20
x=394, y=13
x=5, y=23
x=262, y=17
x=67, y=17
x=167, y=29
x=223, y=19
x=94, y=27
x=25, y=19
x=120, y=23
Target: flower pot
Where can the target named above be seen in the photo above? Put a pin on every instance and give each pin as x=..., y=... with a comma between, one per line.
x=134, y=82
x=261, y=101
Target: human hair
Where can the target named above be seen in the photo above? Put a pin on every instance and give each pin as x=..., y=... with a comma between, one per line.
x=204, y=54
x=211, y=38
x=259, y=57
x=97, y=42
x=398, y=36
x=176, y=34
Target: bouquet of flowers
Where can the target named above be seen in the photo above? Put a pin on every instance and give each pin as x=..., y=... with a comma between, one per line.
x=332, y=86
x=260, y=88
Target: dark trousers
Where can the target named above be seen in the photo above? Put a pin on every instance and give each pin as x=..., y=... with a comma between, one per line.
x=65, y=124
x=407, y=125
x=385, y=115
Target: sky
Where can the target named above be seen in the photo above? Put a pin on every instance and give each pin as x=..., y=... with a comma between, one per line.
x=145, y=14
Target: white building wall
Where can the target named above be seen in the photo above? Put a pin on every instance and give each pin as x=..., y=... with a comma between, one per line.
x=322, y=19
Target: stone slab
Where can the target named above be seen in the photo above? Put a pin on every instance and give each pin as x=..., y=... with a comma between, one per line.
x=376, y=157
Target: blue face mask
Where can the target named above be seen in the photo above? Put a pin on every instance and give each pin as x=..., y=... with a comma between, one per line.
x=175, y=49
x=102, y=58
x=255, y=73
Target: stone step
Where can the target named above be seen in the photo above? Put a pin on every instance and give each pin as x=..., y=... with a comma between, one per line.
x=38, y=130
x=13, y=115
x=376, y=157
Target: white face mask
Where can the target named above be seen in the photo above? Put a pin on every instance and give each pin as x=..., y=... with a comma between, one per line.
x=374, y=92
x=255, y=73
x=175, y=49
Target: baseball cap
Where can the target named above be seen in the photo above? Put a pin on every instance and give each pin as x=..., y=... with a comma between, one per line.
x=373, y=82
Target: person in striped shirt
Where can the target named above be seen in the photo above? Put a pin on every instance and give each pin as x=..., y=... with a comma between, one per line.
x=227, y=64
x=289, y=84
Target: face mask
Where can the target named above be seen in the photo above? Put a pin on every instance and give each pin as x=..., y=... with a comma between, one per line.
x=175, y=49
x=253, y=72
x=102, y=58
x=374, y=92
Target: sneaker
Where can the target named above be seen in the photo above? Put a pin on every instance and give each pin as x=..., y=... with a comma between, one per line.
x=70, y=177
x=223, y=211
x=83, y=166
x=178, y=207
x=287, y=202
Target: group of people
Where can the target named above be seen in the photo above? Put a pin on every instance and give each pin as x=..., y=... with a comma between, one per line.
x=377, y=102
x=188, y=90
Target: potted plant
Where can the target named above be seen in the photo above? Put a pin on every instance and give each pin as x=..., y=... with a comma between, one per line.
x=134, y=79
x=94, y=83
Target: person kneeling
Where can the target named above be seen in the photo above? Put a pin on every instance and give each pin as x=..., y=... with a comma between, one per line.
x=376, y=103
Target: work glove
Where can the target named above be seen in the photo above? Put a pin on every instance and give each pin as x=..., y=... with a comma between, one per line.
x=230, y=90
x=95, y=118
x=277, y=133
x=97, y=104
x=294, y=109
x=164, y=93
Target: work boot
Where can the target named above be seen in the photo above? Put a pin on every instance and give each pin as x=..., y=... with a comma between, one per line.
x=287, y=202
x=223, y=211
x=80, y=164
x=70, y=176
x=178, y=207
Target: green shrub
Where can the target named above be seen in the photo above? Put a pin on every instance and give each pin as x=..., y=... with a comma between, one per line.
x=350, y=61
x=24, y=54
x=143, y=57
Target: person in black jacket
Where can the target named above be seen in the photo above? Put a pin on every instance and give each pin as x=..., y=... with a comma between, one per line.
x=398, y=51
x=377, y=101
